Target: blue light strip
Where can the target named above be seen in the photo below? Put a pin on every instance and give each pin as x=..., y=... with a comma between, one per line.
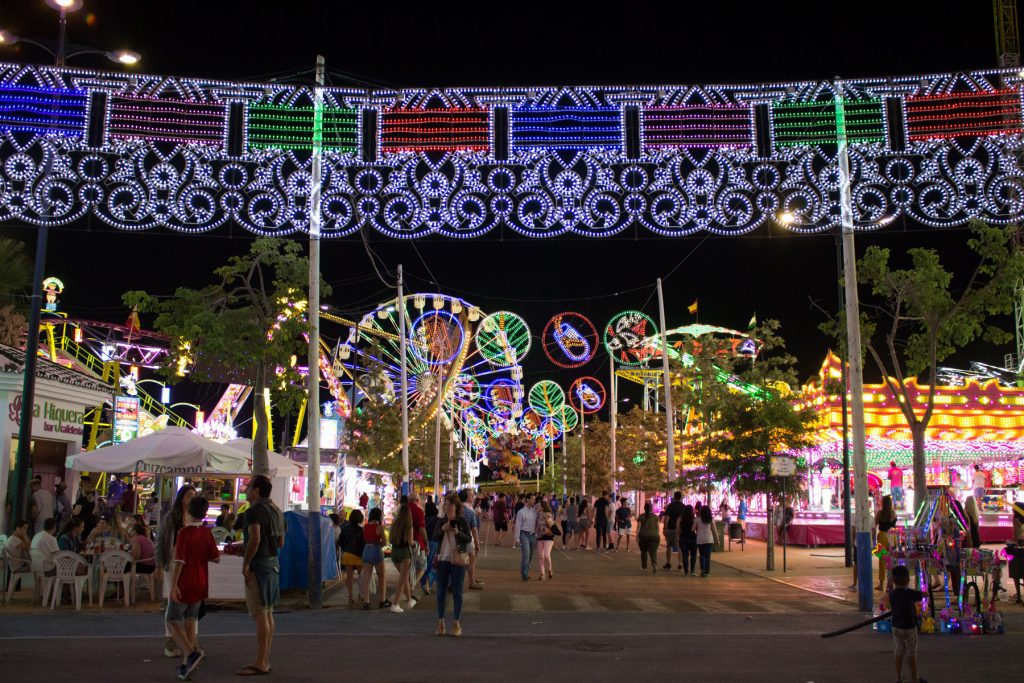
x=43, y=110
x=565, y=127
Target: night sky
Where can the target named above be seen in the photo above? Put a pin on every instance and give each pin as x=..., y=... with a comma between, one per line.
x=434, y=44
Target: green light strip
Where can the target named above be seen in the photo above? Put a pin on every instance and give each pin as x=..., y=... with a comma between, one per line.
x=293, y=128
x=816, y=123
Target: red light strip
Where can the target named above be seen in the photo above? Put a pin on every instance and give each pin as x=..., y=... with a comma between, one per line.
x=415, y=130
x=964, y=114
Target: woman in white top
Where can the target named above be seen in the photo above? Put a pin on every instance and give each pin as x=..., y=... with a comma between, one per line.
x=704, y=525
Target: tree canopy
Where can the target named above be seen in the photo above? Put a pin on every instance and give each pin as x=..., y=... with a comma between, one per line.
x=248, y=328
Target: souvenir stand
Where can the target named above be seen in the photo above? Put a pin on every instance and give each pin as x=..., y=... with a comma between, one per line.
x=931, y=547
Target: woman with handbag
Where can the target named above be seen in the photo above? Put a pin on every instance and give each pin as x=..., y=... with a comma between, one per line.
x=453, y=538
x=545, y=538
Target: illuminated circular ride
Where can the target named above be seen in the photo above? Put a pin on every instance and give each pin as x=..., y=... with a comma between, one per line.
x=452, y=347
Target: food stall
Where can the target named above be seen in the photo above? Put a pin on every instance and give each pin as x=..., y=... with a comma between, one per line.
x=179, y=454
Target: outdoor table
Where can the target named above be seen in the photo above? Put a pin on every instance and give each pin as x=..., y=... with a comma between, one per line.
x=226, y=582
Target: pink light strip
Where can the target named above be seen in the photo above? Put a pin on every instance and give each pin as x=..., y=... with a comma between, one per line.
x=700, y=126
x=167, y=120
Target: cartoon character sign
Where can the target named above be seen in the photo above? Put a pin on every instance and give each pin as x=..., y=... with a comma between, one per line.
x=52, y=289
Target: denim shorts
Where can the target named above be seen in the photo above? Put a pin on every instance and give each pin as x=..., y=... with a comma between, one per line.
x=372, y=554
x=180, y=611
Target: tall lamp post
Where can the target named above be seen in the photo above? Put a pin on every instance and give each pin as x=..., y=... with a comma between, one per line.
x=28, y=390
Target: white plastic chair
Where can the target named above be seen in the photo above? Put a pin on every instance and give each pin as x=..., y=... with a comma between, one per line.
x=43, y=583
x=220, y=533
x=149, y=579
x=67, y=564
x=113, y=566
x=17, y=571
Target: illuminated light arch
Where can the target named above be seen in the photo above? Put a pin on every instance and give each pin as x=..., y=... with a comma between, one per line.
x=143, y=151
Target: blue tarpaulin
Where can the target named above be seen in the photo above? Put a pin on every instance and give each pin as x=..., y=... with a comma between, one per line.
x=294, y=573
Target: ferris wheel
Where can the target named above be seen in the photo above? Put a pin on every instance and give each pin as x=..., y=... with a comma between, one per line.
x=452, y=348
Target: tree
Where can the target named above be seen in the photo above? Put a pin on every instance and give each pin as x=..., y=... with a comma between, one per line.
x=15, y=271
x=918, y=316
x=15, y=279
x=763, y=420
x=640, y=441
x=598, y=458
x=248, y=329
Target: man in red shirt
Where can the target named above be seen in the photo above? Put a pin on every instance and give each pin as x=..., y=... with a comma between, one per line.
x=194, y=547
x=896, y=484
x=419, y=534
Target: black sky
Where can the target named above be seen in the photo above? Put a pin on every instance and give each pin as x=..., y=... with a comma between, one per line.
x=438, y=44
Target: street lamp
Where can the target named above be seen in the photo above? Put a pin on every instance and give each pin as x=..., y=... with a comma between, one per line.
x=123, y=57
x=28, y=391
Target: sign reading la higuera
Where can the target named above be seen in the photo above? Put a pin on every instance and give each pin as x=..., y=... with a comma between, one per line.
x=48, y=417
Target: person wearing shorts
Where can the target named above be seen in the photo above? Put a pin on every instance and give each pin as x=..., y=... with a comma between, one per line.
x=570, y=522
x=190, y=584
x=903, y=601
x=264, y=537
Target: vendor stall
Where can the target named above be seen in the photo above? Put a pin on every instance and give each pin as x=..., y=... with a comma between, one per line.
x=179, y=453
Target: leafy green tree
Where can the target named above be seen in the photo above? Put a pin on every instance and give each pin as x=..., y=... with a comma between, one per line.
x=756, y=426
x=248, y=328
x=639, y=443
x=15, y=279
x=15, y=271
x=598, y=447
x=919, y=315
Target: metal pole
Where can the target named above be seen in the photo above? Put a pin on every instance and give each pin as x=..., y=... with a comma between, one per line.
x=865, y=595
x=784, y=529
x=565, y=454
x=19, y=504
x=61, y=38
x=583, y=452
x=313, y=357
x=437, y=432
x=451, y=465
x=847, y=513
x=404, y=386
x=614, y=425
x=670, y=427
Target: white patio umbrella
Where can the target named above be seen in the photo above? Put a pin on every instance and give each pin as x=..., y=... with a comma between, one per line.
x=173, y=450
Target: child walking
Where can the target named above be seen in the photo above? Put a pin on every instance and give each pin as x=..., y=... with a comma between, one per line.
x=195, y=547
x=904, y=623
